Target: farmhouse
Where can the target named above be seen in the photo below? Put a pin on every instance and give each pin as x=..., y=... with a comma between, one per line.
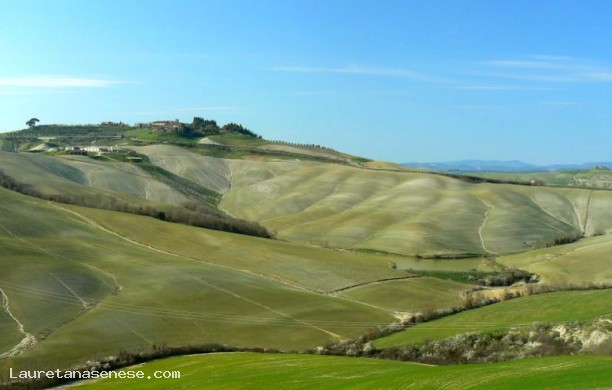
x=166, y=126
x=76, y=150
x=95, y=149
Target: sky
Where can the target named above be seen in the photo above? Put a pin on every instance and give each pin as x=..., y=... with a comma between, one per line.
x=401, y=81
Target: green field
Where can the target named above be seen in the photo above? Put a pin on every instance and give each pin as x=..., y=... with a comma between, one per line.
x=240, y=370
x=565, y=306
x=582, y=263
x=72, y=283
x=419, y=294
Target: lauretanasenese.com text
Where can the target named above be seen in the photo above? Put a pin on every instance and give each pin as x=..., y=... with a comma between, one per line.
x=78, y=375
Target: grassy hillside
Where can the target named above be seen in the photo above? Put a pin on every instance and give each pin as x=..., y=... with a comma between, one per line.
x=142, y=189
x=107, y=281
x=410, y=213
x=337, y=205
x=419, y=294
x=545, y=308
x=588, y=178
x=307, y=267
x=210, y=172
x=84, y=176
x=582, y=263
x=237, y=370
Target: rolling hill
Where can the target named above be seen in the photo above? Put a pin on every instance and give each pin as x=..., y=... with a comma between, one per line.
x=360, y=245
x=73, y=282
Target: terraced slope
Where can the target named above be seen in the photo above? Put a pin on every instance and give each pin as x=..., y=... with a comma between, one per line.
x=236, y=370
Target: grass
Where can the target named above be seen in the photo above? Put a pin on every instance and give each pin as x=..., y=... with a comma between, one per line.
x=588, y=178
x=581, y=263
x=419, y=294
x=117, y=295
x=89, y=282
x=438, y=265
x=335, y=205
x=86, y=177
x=555, y=307
x=211, y=173
x=264, y=152
x=295, y=264
x=240, y=370
x=148, y=135
x=460, y=277
x=185, y=186
x=412, y=213
x=238, y=140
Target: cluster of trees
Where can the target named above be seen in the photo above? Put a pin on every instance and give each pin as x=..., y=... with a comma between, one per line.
x=198, y=217
x=201, y=127
x=567, y=239
x=507, y=277
x=104, y=129
x=208, y=198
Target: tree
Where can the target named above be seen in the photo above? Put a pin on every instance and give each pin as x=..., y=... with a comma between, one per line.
x=205, y=126
x=32, y=122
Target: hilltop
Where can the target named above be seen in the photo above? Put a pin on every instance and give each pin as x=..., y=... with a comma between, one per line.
x=230, y=140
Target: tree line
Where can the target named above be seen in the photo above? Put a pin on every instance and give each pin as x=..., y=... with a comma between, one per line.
x=198, y=217
x=201, y=127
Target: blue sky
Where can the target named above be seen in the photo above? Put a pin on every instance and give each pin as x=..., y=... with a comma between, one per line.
x=391, y=80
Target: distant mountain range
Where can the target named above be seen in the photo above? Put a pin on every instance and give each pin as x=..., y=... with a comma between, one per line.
x=500, y=166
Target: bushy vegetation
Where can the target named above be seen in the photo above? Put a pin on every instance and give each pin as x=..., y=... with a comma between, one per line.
x=483, y=347
x=490, y=279
x=566, y=239
x=515, y=343
x=201, y=127
x=196, y=217
x=185, y=186
x=103, y=129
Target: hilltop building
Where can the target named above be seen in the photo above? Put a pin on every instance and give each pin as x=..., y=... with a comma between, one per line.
x=166, y=126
